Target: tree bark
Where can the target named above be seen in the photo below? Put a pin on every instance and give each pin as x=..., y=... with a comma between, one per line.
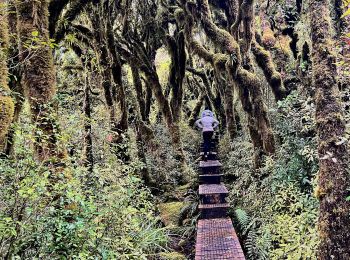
x=273, y=77
x=230, y=113
x=6, y=101
x=196, y=110
x=334, y=178
x=87, y=149
x=15, y=76
x=177, y=51
x=39, y=75
x=139, y=91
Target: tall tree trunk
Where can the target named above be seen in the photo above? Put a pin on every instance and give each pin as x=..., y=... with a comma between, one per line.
x=148, y=101
x=165, y=108
x=117, y=72
x=334, y=178
x=196, y=110
x=177, y=51
x=87, y=149
x=15, y=76
x=6, y=101
x=230, y=113
x=139, y=91
x=39, y=75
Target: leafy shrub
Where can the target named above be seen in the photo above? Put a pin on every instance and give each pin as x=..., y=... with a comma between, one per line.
x=276, y=213
x=57, y=214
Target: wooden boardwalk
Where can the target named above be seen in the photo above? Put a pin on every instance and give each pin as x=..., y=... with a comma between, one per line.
x=216, y=237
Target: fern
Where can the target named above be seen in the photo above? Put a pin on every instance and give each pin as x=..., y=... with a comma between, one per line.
x=256, y=243
x=243, y=219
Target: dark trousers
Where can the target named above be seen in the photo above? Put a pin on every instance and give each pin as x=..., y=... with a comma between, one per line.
x=207, y=142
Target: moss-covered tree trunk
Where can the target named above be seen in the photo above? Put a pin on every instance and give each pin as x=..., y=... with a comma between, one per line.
x=176, y=46
x=334, y=177
x=88, y=156
x=38, y=74
x=117, y=73
x=165, y=108
x=273, y=77
x=196, y=110
x=139, y=91
x=6, y=101
x=230, y=113
x=15, y=75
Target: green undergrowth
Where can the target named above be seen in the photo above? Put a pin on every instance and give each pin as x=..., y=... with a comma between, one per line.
x=275, y=211
x=70, y=213
x=170, y=212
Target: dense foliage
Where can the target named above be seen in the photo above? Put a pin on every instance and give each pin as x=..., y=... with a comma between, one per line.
x=98, y=146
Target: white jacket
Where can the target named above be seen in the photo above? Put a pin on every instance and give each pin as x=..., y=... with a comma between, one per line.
x=207, y=123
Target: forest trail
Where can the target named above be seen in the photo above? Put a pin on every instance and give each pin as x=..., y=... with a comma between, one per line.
x=216, y=236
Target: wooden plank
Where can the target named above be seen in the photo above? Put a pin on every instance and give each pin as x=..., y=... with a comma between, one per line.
x=213, y=206
x=213, y=153
x=217, y=239
x=209, y=163
x=211, y=175
x=207, y=189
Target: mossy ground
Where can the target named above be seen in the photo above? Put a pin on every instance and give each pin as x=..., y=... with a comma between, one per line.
x=170, y=212
x=171, y=256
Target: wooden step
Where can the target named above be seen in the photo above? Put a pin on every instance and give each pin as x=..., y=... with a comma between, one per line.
x=210, y=153
x=213, y=206
x=216, y=240
x=212, y=193
x=210, y=164
x=208, y=189
x=213, y=210
x=210, y=178
x=211, y=156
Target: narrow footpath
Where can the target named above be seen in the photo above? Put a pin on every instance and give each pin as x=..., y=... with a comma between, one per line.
x=216, y=237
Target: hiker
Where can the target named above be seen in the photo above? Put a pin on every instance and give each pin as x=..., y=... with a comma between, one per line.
x=207, y=123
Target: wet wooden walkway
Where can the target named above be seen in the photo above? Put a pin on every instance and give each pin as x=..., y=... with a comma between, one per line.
x=216, y=237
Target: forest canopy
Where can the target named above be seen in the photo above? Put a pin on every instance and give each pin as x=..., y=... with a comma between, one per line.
x=98, y=142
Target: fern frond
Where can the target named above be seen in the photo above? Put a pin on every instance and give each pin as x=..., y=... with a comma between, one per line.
x=243, y=219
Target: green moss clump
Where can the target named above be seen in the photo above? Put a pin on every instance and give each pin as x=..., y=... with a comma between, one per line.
x=172, y=256
x=170, y=212
x=7, y=108
x=220, y=61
